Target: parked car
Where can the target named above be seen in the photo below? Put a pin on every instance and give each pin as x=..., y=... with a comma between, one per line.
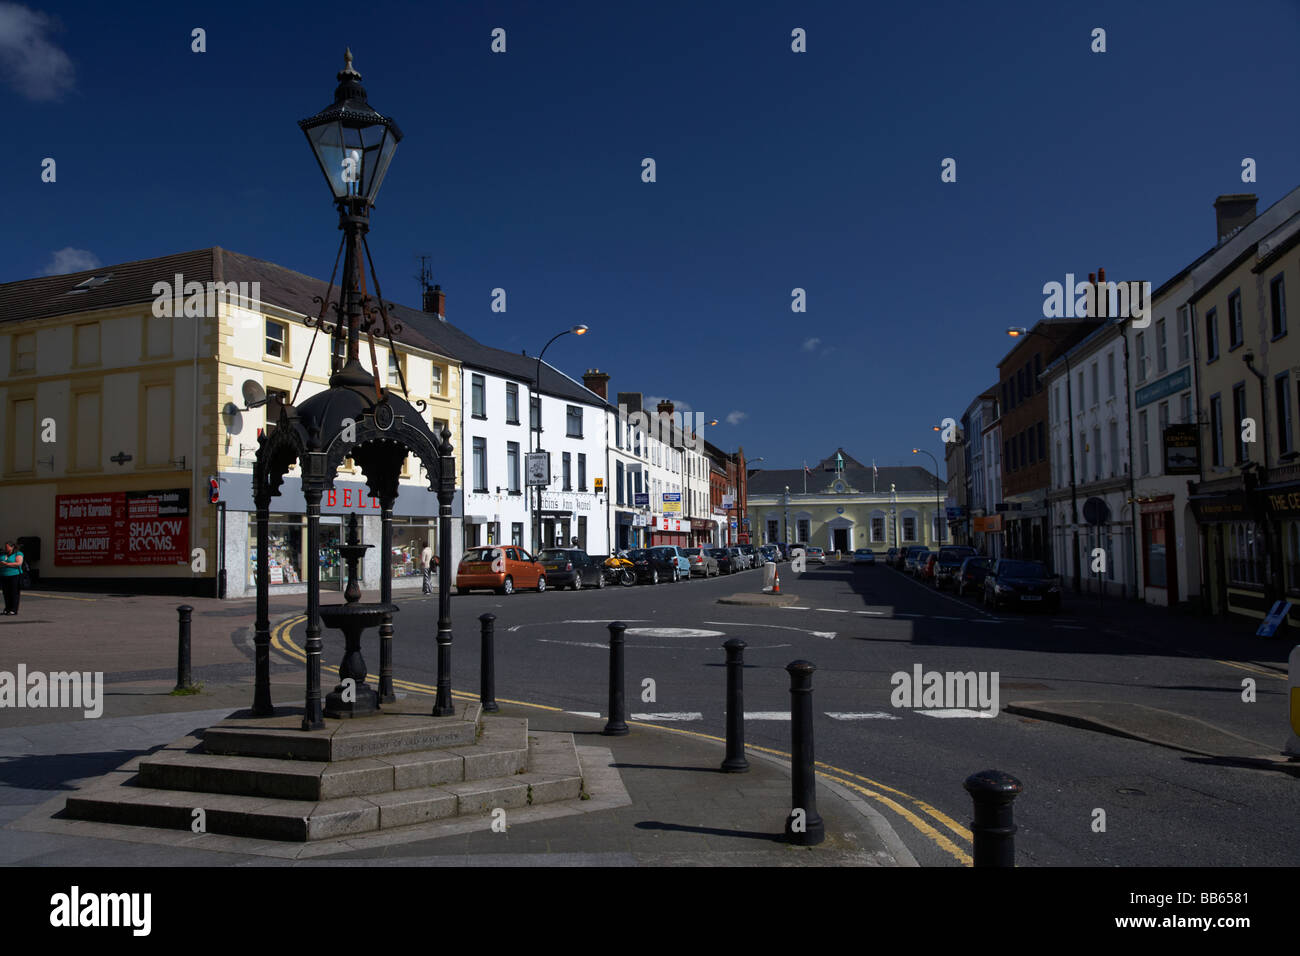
x=572, y=568
x=925, y=566
x=727, y=562
x=893, y=556
x=499, y=568
x=814, y=555
x=739, y=559
x=702, y=562
x=1022, y=582
x=683, y=561
x=864, y=556
x=655, y=564
x=770, y=552
x=751, y=553
x=948, y=566
x=971, y=575
x=912, y=555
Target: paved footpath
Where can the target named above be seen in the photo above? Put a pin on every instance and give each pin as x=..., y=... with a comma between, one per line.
x=657, y=797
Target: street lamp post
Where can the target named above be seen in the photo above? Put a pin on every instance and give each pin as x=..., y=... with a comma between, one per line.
x=786, y=527
x=1015, y=332
x=536, y=427
x=937, y=505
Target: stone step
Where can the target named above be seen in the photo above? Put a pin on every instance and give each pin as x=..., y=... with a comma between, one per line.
x=551, y=773
x=402, y=730
x=501, y=750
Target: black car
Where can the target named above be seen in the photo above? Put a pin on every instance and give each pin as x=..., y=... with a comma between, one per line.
x=912, y=556
x=891, y=557
x=727, y=563
x=948, y=565
x=654, y=564
x=572, y=568
x=1022, y=582
x=971, y=574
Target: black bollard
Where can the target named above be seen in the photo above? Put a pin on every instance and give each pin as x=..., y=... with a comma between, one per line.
x=993, y=829
x=616, y=726
x=735, y=762
x=803, y=779
x=487, y=669
x=183, y=649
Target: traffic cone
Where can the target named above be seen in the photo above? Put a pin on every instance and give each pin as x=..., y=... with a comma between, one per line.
x=776, y=585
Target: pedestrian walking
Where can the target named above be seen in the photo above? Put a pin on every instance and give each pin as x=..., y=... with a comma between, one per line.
x=11, y=575
x=426, y=566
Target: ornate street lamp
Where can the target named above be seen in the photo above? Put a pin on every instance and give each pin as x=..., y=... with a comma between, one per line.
x=355, y=417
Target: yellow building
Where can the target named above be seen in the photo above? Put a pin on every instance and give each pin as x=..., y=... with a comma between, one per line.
x=1247, y=502
x=839, y=504
x=128, y=388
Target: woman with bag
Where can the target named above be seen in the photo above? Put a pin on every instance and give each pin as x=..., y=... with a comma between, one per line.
x=11, y=575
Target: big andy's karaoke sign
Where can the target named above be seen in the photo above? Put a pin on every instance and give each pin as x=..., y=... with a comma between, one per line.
x=122, y=527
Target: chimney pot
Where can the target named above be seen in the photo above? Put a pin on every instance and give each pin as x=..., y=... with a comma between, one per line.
x=1232, y=212
x=597, y=381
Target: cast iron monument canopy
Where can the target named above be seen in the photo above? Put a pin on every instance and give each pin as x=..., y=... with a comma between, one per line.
x=355, y=417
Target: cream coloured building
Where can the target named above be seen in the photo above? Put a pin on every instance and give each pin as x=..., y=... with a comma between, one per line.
x=120, y=402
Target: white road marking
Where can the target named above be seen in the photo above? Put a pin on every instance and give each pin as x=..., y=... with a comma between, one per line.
x=767, y=715
x=546, y=640
x=794, y=607
x=583, y=713
x=833, y=610
x=956, y=712
x=671, y=632
x=877, y=715
x=829, y=635
x=681, y=716
x=626, y=620
x=872, y=613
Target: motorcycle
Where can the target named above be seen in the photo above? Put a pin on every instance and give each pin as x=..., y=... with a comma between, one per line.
x=618, y=570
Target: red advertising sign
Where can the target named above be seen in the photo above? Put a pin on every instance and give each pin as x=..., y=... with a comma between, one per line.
x=122, y=527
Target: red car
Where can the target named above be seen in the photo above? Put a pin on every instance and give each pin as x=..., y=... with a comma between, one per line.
x=925, y=568
x=501, y=569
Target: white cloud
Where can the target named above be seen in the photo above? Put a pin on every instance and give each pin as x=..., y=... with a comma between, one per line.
x=69, y=259
x=37, y=68
x=735, y=418
x=810, y=345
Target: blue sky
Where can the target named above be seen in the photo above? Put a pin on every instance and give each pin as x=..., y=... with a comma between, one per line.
x=775, y=170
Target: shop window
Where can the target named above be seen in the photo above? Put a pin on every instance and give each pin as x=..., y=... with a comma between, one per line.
x=1293, y=555
x=1245, y=547
x=410, y=537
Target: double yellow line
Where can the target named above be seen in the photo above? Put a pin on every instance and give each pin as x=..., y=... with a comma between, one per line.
x=910, y=808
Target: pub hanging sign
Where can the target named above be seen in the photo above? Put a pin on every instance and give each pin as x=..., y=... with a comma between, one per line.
x=1182, y=450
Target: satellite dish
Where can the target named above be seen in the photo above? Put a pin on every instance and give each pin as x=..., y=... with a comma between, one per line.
x=254, y=394
x=231, y=416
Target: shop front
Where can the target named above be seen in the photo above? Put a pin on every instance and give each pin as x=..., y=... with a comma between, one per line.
x=1281, y=502
x=1159, y=551
x=1234, y=552
x=668, y=530
x=702, y=531
x=414, y=525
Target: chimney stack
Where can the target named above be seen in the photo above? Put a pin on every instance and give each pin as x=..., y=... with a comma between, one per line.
x=435, y=302
x=597, y=381
x=1233, y=212
x=665, y=407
